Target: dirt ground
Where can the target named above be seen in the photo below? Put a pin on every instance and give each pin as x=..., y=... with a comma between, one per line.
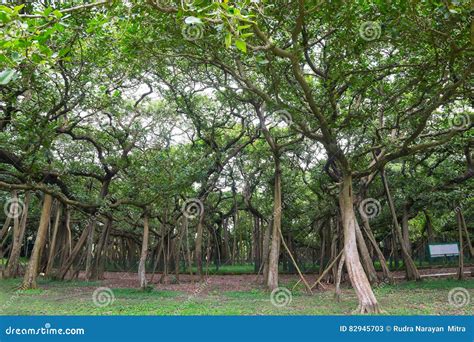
x=244, y=282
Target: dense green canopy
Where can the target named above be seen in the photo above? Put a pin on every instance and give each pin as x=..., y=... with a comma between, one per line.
x=239, y=116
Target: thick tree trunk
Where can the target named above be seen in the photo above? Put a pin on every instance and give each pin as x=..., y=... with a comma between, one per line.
x=54, y=238
x=360, y=282
x=143, y=255
x=29, y=280
x=272, y=282
x=410, y=267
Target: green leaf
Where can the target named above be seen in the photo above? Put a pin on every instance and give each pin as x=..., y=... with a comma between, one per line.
x=64, y=51
x=233, y=11
x=243, y=27
x=228, y=40
x=4, y=59
x=47, y=11
x=241, y=45
x=4, y=17
x=6, y=76
x=57, y=14
x=36, y=58
x=6, y=9
x=17, y=9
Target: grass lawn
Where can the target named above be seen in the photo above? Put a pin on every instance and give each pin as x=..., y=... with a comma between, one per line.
x=429, y=297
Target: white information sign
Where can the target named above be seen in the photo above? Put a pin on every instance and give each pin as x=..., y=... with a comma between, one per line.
x=450, y=249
